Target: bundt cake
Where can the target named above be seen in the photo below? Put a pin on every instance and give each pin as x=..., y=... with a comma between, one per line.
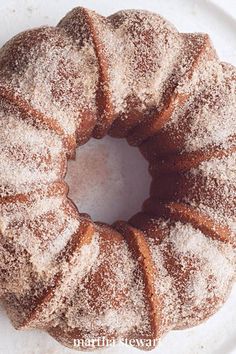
x=130, y=75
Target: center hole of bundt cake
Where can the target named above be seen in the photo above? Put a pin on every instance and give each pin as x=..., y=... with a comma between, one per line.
x=108, y=180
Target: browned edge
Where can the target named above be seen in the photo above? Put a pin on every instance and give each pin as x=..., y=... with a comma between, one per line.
x=82, y=237
x=188, y=214
x=104, y=104
x=188, y=160
x=56, y=188
x=150, y=128
x=141, y=251
x=28, y=111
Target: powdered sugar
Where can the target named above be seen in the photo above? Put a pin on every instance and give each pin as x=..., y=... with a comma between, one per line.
x=221, y=169
x=206, y=270
x=129, y=74
x=121, y=317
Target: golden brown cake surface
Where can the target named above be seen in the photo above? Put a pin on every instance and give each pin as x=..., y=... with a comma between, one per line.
x=130, y=75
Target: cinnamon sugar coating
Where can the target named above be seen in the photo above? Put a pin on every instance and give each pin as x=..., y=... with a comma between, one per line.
x=130, y=75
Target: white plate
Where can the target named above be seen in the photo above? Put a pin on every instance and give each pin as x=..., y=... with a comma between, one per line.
x=216, y=336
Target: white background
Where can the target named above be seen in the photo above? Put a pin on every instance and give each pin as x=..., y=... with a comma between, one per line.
x=218, y=335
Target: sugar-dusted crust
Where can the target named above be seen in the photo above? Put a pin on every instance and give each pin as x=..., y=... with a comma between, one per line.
x=130, y=75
